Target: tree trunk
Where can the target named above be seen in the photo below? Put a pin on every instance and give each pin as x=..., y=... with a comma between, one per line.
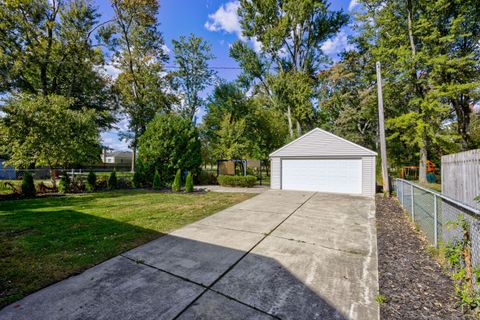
x=134, y=155
x=463, y=113
x=299, y=128
x=422, y=171
x=289, y=117
x=410, y=27
x=52, y=178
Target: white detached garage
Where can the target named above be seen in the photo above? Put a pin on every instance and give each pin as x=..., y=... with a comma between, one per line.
x=321, y=161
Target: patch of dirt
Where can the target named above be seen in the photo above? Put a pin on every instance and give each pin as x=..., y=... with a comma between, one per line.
x=413, y=283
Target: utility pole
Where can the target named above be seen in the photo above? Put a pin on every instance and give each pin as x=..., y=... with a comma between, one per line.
x=381, y=129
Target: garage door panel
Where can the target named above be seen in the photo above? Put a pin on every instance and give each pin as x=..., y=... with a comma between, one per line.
x=323, y=175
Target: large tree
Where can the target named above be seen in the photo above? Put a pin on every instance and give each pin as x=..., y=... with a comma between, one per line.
x=236, y=126
x=449, y=31
x=47, y=47
x=138, y=52
x=394, y=33
x=45, y=131
x=291, y=34
x=193, y=73
x=348, y=99
x=170, y=143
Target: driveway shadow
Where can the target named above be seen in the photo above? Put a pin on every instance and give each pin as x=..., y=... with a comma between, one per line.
x=203, y=271
x=187, y=279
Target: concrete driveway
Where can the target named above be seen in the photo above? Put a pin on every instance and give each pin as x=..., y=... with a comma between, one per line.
x=281, y=254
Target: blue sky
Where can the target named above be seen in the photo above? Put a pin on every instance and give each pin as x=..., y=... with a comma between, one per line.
x=216, y=22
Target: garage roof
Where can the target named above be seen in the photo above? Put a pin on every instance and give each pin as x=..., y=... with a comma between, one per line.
x=321, y=143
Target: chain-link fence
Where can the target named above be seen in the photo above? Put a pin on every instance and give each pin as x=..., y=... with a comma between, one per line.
x=434, y=214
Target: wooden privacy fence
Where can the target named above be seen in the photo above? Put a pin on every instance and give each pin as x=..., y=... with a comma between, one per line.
x=461, y=177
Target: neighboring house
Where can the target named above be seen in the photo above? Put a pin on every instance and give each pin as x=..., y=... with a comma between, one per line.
x=117, y=157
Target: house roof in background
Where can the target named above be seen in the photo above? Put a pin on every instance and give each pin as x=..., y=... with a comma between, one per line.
x=119, y=154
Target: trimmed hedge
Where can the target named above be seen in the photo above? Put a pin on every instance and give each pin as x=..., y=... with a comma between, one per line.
x=157, y=184
x=112, y=180
x=177, y=183
x=28, y=187
x=91, y=182
x=205, y=178
x=237, y=181
x=65, y=184
x=189, y=183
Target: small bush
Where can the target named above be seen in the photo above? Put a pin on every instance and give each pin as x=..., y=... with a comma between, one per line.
x=112, y=180
x=124, y=183
x=64, y=184
x=102, y=183
x=189, y=183
x=381, y=299
x=177, y=183
x=237, y=181
x=157, y=184
x=137, y=179
x=206, y=178
x=77, y=184
x=28, y=187
x=91, y=182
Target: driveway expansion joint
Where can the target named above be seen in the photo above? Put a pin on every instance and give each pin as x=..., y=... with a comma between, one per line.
x=206, y=288
x=240, y=259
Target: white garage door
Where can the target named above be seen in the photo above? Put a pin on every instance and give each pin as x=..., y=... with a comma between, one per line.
x=324, y=175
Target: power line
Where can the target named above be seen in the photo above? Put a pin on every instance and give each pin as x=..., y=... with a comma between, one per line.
x=219, y=68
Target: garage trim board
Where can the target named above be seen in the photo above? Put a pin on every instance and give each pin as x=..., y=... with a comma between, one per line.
x=321, y=161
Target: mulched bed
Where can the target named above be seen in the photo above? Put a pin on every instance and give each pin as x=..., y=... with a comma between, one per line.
x=18, y=196
x=414, y=284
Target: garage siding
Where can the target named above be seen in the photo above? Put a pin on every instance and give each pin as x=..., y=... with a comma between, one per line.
x=275, y=172
x=321, y=143
x=368, y=176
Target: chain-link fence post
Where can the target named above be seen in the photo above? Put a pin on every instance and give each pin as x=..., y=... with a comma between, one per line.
x=413, y=206
x=403, y=193
x=435, y=221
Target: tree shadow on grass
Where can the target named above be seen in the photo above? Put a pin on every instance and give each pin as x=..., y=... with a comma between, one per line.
x=40, y=248
x=67, y=200
x=202, y=273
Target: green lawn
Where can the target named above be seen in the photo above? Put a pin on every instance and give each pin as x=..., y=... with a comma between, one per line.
x=432, y=186
x=45, y=240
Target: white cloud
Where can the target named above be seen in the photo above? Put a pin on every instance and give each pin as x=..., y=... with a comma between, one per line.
x=226, y=19
x=353, y=4
x=111, y=140
x=122, y=124
x=111, y=70
x=334, y=46
x=257, y=45
x=166, y=49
